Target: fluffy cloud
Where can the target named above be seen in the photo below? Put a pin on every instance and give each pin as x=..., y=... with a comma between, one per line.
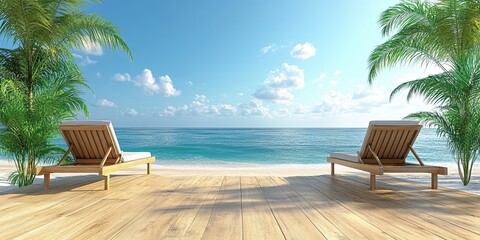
x=201, y=106
x=84, y=60
x=254, y=108
x=122, y=77
x=271, y=48
x=146, y=81
x=166, y=87
x=280, y=83
x=90, y=47
x=303, y=51
x=150, y=85
x=362, y=100
x=224, y=110
x=189, y=83
x=168, y=112
x=131, y=112
x=105, y=103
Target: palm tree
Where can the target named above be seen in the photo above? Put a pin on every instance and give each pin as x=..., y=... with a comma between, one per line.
x=28, y=129
x=39, y=80
x=445, y=34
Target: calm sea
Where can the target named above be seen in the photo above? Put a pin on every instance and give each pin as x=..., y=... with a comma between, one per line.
x=206, y=147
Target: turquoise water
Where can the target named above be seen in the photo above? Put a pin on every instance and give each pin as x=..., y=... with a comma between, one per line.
x=234, y=147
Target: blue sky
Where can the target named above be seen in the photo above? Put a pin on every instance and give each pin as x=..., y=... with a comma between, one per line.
x=285, y=63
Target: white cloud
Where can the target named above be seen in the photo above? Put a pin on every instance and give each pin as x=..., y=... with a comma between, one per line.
x=168, y=112
x=105, y=103
x=362, y=100
x=90, y=47
x=271, y=48
x=280, y=83
x=131, y=112
x=224, y=110
x=301, y=109
x=166, y=87
x=319, y=78
x=303, y=51
x=150, y=85
x=283, y=112
x=84, y=60
x=147, y=82
x=240, y=94
x=201, y=106
x=336, y=77
x=189, y=83
x=98, y=75
x=254, y=108
x=122, y=77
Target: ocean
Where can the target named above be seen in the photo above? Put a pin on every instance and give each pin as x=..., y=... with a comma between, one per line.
x=223, y=147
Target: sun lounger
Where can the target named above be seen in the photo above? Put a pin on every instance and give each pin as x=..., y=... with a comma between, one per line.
x=95, y=149
x=384, y=150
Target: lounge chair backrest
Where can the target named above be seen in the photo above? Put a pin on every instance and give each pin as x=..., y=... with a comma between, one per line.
x=91, y=140
x=390, y=140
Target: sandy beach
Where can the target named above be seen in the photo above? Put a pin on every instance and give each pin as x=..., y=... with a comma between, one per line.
x=450, y=181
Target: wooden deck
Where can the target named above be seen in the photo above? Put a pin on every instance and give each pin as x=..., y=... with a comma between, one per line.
x=318, y=207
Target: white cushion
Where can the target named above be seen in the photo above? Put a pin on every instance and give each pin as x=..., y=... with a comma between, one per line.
x=97, y=122
x=130, y=156
x=394, y=122
x=353, y=157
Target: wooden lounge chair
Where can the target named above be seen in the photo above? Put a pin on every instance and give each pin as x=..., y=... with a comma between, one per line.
x=384, y=150
x=94, y=146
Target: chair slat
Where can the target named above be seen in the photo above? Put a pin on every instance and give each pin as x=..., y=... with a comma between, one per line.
x=398, y=151
x=93, y=144
x=392, y=144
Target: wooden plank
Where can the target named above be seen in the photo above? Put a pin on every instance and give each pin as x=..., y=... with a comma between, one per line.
x=316, y=216
x=372, y=207
x=418, y=212
x=346, y=220
x=258, y=219
x=409, y=142
x=391, y=144
x=374, y=169
x=151, y=206
x=88, y=127
x=292, y=221
x=67, y=216
x=198, y=225
x=75, y=140
x=143, y=205
x=93, y=145
x=227, y=208
x=184, y=222
x=69, y=169
x=117, y=167
x=88, y=145
x=381, y=148
x=167, y=212
x=399, y=154
x=413, y=168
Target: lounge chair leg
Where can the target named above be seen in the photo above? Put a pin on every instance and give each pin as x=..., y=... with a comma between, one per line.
x=372, y=182
x=332, y=168
x=434, y=181
x=46, y=181
x=107, y=181
x=148, y=168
